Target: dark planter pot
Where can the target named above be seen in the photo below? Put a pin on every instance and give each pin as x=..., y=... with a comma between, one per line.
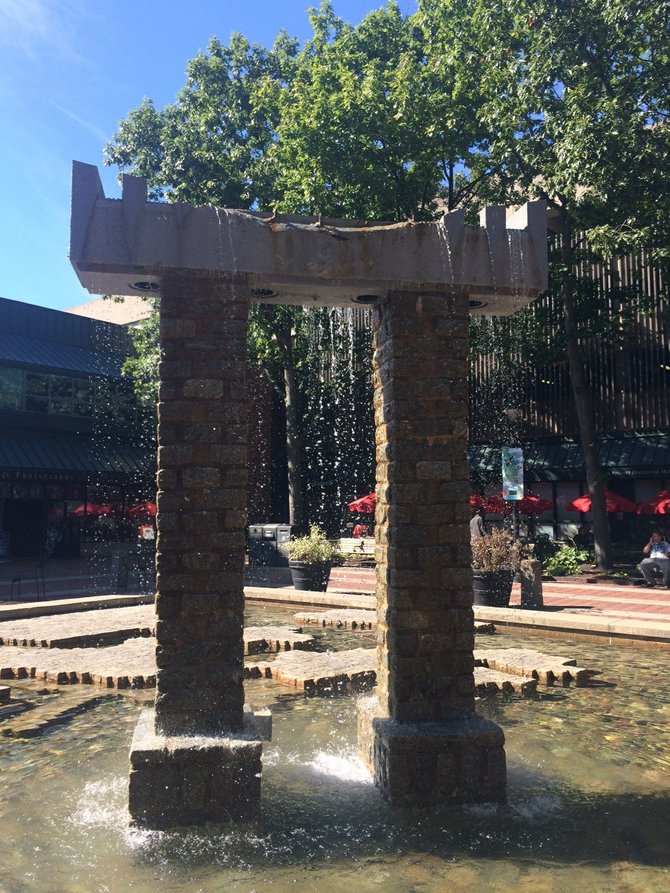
x=311, y=577
x=492, y=589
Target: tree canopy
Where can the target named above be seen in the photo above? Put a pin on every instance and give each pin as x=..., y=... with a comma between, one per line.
x=463, y=103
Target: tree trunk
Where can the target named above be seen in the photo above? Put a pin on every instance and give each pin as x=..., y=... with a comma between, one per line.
x=584, y=406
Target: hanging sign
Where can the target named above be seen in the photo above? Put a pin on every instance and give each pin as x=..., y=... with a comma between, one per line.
x=512, y=473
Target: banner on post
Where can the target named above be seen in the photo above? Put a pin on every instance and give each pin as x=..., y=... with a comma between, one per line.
x=512, y=473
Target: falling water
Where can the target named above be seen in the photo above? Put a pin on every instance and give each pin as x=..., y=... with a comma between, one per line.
x=444, y=248
x=339, y=434
x=516, y=260
x=226, y=221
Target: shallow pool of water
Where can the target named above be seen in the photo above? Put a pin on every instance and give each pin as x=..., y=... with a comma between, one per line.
x=589, y=799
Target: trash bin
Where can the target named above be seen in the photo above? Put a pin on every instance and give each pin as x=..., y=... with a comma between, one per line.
x=283, y=538
x=268, y=544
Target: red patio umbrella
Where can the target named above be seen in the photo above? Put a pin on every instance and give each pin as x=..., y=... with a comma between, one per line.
x=534, y=505
x=493, y=505
x=613, y=503
x=89, y=509
x=496, y=505
x=657, y=505
x=142, y=508
x=365, y=505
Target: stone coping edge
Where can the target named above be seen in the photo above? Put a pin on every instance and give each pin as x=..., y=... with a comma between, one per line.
x=541, y=621
x=70, y=605
x=580, y=624
x=252, y=593
x=318, y=599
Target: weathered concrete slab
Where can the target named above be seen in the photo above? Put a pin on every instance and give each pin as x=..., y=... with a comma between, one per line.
x=261, y=639
x=298, y=260
x=549, y=669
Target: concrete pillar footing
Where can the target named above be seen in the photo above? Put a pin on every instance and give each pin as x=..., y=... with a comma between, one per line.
x=430, y=764
x=189, y=780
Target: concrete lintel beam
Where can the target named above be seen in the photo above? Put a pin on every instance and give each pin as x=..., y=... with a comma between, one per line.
x=129, y=246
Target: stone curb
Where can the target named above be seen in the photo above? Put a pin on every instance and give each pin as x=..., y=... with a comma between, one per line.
x=655, y=632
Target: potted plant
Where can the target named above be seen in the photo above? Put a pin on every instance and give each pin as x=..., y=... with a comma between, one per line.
x=496, y=558
x=311, y=558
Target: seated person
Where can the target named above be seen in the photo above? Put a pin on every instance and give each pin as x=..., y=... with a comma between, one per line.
x=583, y=538
x=360, y=530
x=658, y=552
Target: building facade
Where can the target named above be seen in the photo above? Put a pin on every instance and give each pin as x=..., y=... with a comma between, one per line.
x=76, y=450
x=523, y=396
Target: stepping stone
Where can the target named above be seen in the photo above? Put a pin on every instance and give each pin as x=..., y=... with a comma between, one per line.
x=548, y=669
x=341, y=618
x=488, y=682
x=483, y=628
x=359, y=619
x=356, y=670
x=260, y=639
x=5, y=692
x=33, y=720
x=80, y=629
x=319, y=673
x=130, y=665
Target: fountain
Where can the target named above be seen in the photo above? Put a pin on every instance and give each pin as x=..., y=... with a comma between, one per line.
x=588, y=796
x=421, y=735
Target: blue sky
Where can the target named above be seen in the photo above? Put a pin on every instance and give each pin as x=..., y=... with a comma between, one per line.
x=70, y=70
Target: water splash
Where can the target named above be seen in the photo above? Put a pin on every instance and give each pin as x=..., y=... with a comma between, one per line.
x=345, y=765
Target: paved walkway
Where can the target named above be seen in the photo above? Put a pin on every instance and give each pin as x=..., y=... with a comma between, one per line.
x=573, y=606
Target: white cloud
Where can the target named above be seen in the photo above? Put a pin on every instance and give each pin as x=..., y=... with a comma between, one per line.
x=98, y=132
x=29, y=27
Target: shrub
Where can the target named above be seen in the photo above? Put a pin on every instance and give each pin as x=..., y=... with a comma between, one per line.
x=496, y=551
x=544, y=547
x=314, y=548
x=568, y=561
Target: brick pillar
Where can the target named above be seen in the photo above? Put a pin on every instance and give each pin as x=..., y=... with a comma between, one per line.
x=196, y=757
x=202, y=481
x=420, y=733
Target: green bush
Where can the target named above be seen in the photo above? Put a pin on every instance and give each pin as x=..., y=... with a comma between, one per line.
x=315, y=548
x=544, y=547
x=567, y=561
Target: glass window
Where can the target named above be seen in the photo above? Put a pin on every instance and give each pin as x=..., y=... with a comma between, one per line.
x=37, y=404
x=11, y=388
x=61, y=386
x=37, y=384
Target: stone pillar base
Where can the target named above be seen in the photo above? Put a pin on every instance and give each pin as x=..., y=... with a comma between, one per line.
x=180, y=780
x=427, y=764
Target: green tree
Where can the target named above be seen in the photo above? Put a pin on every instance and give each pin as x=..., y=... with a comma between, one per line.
x=575, y=102
x=374, y=124
x=355, y=124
